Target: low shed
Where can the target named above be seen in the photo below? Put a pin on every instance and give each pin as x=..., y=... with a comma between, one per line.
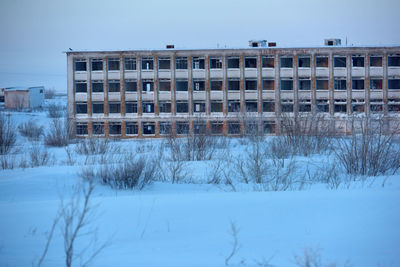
x=23, y=97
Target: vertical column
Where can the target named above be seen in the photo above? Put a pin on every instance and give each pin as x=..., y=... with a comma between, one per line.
x=295, y=86
x=139, y=94
x=366, y=85
x=106, y=132
x=348, y=84
x=385, y=83
x=122, y=82
x=71, y=90
x=331, y=86
x=105, y=74
x=155, y=93
x=225, y=93
x=89, y=94
x=207, y=84
x=277, y=87
x=259, y=85
x=242, y=95
x=173, y=94
x=313, y=85
x=190, y=85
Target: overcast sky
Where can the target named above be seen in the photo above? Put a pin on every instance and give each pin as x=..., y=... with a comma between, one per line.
x=34, y=33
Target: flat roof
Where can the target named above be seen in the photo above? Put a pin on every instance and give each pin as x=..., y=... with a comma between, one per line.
x=22, y=88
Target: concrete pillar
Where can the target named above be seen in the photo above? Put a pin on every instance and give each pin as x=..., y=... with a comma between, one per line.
x=295, y=86
x=207, y=84
x=155, y=93
x=385, y=83
x=225, y=93
x=190, y=85
x=331, y=86
x=348, y=83
x=173, y=91
x=259, y=85
x=313, y=85
x=277, y=85
x=366, y=85
x=105, y=73
x=89, y=93
x=139, y=85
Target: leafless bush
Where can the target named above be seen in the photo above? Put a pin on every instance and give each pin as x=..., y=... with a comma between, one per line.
x=7, y=162
x=93, y=146
x=31, y=130
x=70, y=156
x=58, y=134
x=55, y=111
x=39, y=156
x=312, y=258
x=49, y=93
x=8, y=136
x=174, y=167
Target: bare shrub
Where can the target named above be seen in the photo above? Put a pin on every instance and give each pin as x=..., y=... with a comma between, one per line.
x=7, y=162
x=49, y=93
x=58, y=134
x=8, y=135
x=39, y=156
x=70, y=156
x=93, y=146
x=174, y=168
x=312, y=258
x=55, y=111
x=31, y=130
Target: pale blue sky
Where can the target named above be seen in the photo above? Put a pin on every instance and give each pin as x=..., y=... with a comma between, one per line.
x=34, y=34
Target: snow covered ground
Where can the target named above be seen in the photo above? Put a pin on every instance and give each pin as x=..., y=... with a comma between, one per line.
x=188, y=224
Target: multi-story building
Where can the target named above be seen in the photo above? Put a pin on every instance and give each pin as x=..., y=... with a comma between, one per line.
x=153, y=93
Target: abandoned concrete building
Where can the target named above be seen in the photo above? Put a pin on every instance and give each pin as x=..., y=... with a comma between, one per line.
x=158, y=92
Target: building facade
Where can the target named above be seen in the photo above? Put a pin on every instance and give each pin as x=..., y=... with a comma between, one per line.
x=157, y=92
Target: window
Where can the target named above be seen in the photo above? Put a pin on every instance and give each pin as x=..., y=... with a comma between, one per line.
x=80, y=65
x=98, y=107
x=268, y=127
x=287, y=106
x=321, y=61
x=268, y=84
x=376, y=105
x=199, y=128
x=130, y=107
x=394, y=105
x=181, y=85
x=286, y=62
x=198, y=63
x=234, y=85
x=375, y=84
x=375, y=61
x=357, y=84
x=233, y=106
x=394, y=84
x=358, y=105
x=165, y=128
x=97, y=86
x=130, y=63
x=339, y=61
x=113, y=64
x=182, y=107
x=251, y=105
x=130, y=85
x=268, y=105
x=131, y=128
x=98, y=128
x=233, y=127
x=268, y=62
x=80, y=87
x=233, y=62
x=147, y=107
x=250, y=62
x=286, y=84
x=147, y=86
x=113, y=86
x=114, y=128
x=198, y=85
x=81, y=107
x=199, y=106
x=182, y=128
x=251, y=128
x=164, y=63
x=81, y=128
x=322, y=105
x=147, y=63
x=217, y=127
x=215, y=63
x=216, y=85
x=148, y=128
x=322, y=84
x=181, y=63
x=394, y=61
x=304, y=84
x=165, y=106
x=340, y=84
x=216, y=106
x=114, y=107
x=304, y=61
x=340, y=106
x=165, y=85
x=305, y=105
x=250, y=84
x=97, y=64
x=357, y=61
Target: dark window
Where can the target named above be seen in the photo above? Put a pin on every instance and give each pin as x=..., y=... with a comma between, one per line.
x=394, y=84
x=181, y=63
x=130, y=107
x=251, y=128
x=113, y=64
x=321, y=61
x=339, y=84
x=114, y=107
x=113, y=86
x=357, y=61
x=147, y=86
x=165, y=85
x=251, y=106
x=286, y=84
x=251, y=84
x=97, y=87
x=322, y=84
x=304, y=106
x=164, y=63
x=304, y=84
x=357, y=84
x=375, y=84
x=322, y=105
x=148, y=107
x=394, y=61
x=233, y=106
x=130, y=85
x=358, y=106
x=376, y=106
x=198, y=85
x=182, y=107
x=130, y=63
x=98, y=107
x=199, y=107
x=80, y=65
x=165, y=128
x=148, y=128
x=268, y=106
x=268, y=62
x=199, y=128
x=395, y=107
x=233, y=127
x=114, y=128
x=233, y=62
x=131, y=128
x=98, y=128
x=268, y=127
x=97, y=64
x=198, y=63
x=217, y=127
x=215, y=63
x=216, y=85
x=147, y=63
x=339, y=62
x=286, y=106
x=165, y=106
x=81, y=107
x=182, y=128
x=216, y=106
x=286, y=62
x=80, y=87
x=340, y=106
x=375, y=61
x=268, y=84
x=233, y=85
x=250, y=62
x=81, y=128
x=304, y=62
x=181, y=85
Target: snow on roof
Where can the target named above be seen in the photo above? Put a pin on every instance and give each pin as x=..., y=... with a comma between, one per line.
x=22, y=88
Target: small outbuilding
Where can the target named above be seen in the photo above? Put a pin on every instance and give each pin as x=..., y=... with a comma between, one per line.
x=23, y=97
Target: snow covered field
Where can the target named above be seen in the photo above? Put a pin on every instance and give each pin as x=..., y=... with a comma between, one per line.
x=188, y=224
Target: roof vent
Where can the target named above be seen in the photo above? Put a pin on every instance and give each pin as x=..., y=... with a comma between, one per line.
x=333, y=42
x=258, y=43
x=170, y=46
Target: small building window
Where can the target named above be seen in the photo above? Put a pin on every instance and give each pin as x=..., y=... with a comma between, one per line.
x=340, y=106
x=304, y=61
x=147, y=107
x=164, y=63
x=394, y=105
x=268, y=62
x=339, y=61
x=357, y=61
x=114, y=86
x=98, y=107
x=81, y=107
x=394, y=61
x=321, y=61
x=304, y=84
x=181, y=63
x=80, y=65
x=286, y=62
x=81, y=128
x=181, y=85
x=304, y=105
x=268, y=105
x=165, y=85
x=80, y=87
x=251, y=128
x=358, y=105
x=268, y=127
x=148, y=128
x=198, y=85
x=165, y=106
x=147, y=63
x=130, y=63
x=216, y=106
x=97, y=65
x=357, y=84
x=97, y=86
x=394, y=84
x=215, y=63
x=268, y=84
x=251, y=106
x=131, y=128
x=130, y=107
x=114, y=107
x=287, y=106
x=376, y=105
x=165, y=128
x=233, y=62
x=233, y=106
x=340, y=84
x=234, y=85
x=199, y=106
x=199, y=128
x=113, y=64
x=375, y=61
x=182, y=107
x=233, y=127
x=250, y=62
x=114, y=128
x=251, y=84
x=322, y=84
x=217, y=127
x=182, y=128
x=147, y=86
x=198, y=63
x=216, y=85
x=98, y=128
x=130, y=86
x=375, y=84
x=286, y=84
x=322, y=105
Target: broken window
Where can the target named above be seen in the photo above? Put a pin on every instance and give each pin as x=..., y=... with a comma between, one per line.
x=286, y=105
x=114, y=128
x=182, y=107
x=234, y=85
x=216, y=85
x=268, y=105
x=147, y=107
x=147, y=86
x=375, y=84
x=340, y=84
x=113, y=64
x=147, y=63
x=217, y=127
x=357, y=61
x=286, y=84
x=164, y=63
x=394, y=60
x=98, y=107
x=394, y=105
x=165, y=128
x=131, y=128
x=216, y=106
x=198, y=63
x=268, y=84
x=321, y=61
x=286, y=62
x=80, y=65
x=376, y=105
x=81, y=128
x=182, y=127
x=304, y=84
x=114, y=107
x=393, y=84
x=113, y=86
x=322, y=84
x=165, y=85
x=97, y=64
x=358, y=105
x=375, y=61
x=80, y=87
x=268, y=62
x=233, y=62
x=304, y=105
x=130, y=85
x=131, y=107
x=304, y=61
x=199, y=106
x=81, y=107
x=233, y=106
x=181, y=63
x=215, y=63
x=148, y=128
x=250, y=62
x=233, y=127
x=251, y=84
x=130, y=63
x=340, y=106
x=251, y=105
x=98, y=128
x=97, y=86
x=199, y=128
x=181, y=85
x=339, y=61
x=251, y=127
x=322, y=105
x=357, y=84
x=165, y=106
x=268, y=127
x=198, y=85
